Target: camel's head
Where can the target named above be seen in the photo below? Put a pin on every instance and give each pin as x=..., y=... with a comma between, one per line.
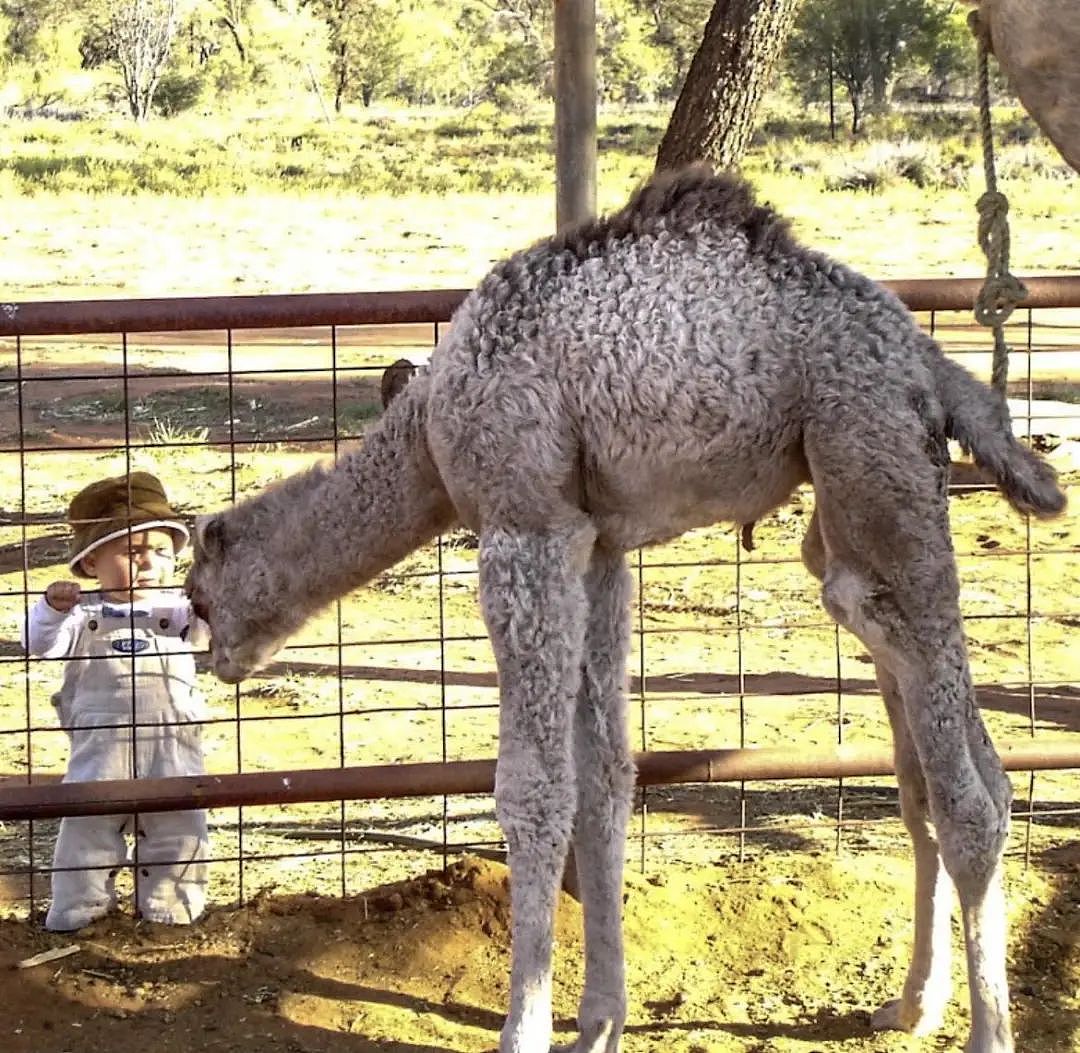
x=232, y=591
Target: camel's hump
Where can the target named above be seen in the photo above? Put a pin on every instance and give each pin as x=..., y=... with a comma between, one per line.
x=679, y=202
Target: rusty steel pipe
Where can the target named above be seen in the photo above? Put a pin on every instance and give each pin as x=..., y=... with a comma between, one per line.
x=958, y=294
x=37, y=801
x=189, y=313
x=182, y=314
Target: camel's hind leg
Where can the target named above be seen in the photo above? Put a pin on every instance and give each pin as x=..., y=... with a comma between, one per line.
x=921, y=1007
x=929, y=981
x=605, y=785
x=533, y=598
x=890, y=578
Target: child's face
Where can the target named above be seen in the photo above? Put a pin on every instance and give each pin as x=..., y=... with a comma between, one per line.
x=134, y=565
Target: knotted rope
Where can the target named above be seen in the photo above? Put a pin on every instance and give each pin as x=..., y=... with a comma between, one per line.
x=1001, y=291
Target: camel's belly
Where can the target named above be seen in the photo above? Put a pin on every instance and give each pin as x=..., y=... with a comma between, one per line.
x=648, y=503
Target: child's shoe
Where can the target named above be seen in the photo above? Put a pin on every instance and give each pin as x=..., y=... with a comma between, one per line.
x=182, y=908
x=76, y=916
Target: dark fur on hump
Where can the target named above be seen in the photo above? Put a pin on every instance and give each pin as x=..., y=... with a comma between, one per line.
x=679, y=201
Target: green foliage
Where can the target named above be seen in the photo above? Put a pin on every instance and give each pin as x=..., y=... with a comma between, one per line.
x=949, y=54
x=25, y=26
x=424, y=154
x=364, y=38
x=41, y=60
x=482, y=150
x=177, y=92
x=631, y=69
x=884, y=164
x=436, y=69
x=864, y=44
x=247, y=56
x=676, y=29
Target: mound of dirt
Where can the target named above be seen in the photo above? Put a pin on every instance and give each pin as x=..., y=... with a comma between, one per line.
x=781, y=954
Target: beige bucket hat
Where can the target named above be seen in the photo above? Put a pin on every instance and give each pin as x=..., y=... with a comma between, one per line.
x=116, y=506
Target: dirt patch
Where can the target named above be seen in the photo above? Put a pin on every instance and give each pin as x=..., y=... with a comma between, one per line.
x=101, y=409
x=789, y=952
x=781, y=954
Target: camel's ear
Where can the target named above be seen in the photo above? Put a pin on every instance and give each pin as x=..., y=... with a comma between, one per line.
x=210, y=536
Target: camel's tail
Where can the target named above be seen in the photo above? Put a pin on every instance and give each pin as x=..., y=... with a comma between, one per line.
x=978, y=418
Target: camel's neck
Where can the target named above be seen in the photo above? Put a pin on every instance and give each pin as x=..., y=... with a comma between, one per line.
x=373, y=508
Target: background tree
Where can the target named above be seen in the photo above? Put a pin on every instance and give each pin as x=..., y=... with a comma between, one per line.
x=866, y=43
x=951, y=53
x=134, y=36
x=676, y=34
x=365, y=36
x=232, y=17
x=714, y=115
x=512, y=41
x=629, y=67
x=39, y=49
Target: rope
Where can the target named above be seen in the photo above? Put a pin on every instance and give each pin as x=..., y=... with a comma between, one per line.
x=1001, y=291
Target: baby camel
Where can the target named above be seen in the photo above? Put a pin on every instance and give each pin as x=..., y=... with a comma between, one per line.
x=680, y=362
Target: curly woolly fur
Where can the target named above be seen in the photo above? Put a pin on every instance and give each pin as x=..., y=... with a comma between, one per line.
x=681, y=362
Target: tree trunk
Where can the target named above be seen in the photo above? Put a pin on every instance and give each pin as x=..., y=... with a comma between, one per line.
x=714, y=116
x=856, y=110
x=234, y=31
x=879, y=80
x=341, y=77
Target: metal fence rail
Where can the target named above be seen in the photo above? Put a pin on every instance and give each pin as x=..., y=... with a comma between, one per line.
x=392, y=781
x=97, y=383
x=184, y=314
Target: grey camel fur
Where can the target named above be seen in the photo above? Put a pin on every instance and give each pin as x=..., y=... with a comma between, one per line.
x=681, y=362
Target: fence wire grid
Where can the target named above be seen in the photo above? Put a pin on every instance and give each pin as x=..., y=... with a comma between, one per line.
x=731, y=648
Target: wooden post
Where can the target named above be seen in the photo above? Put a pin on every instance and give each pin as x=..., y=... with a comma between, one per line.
x=575, y=158
x=575, y=111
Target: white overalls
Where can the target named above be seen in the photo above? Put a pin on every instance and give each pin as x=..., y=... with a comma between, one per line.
x=129, y=704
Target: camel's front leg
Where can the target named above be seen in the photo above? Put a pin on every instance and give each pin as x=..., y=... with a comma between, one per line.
x=533, y=600
x=605, y=785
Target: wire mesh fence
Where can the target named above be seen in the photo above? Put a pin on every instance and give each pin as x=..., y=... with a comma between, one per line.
x=731, y=647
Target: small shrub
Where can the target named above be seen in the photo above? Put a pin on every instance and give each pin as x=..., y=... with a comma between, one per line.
x=871, y=176
x=177, y=92
x=517, y=99
x=167, y=432
x=885, y=164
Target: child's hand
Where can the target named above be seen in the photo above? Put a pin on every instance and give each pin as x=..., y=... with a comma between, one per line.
x=63, y=595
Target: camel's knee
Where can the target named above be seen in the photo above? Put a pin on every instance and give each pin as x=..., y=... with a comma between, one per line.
x=536, y=808
x=860, y=606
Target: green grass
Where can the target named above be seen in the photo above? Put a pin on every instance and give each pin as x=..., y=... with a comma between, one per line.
x=474, y=152
x=1059, y=391
x=110, y=408
x=405, y=199
x=436, y=153
x=192, y=414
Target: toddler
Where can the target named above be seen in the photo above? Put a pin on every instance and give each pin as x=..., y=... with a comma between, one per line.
x=128, y=701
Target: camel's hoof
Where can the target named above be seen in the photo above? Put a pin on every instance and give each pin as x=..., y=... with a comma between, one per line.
x=914, y=1019
x=600, y=1037
x=992, y=1039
